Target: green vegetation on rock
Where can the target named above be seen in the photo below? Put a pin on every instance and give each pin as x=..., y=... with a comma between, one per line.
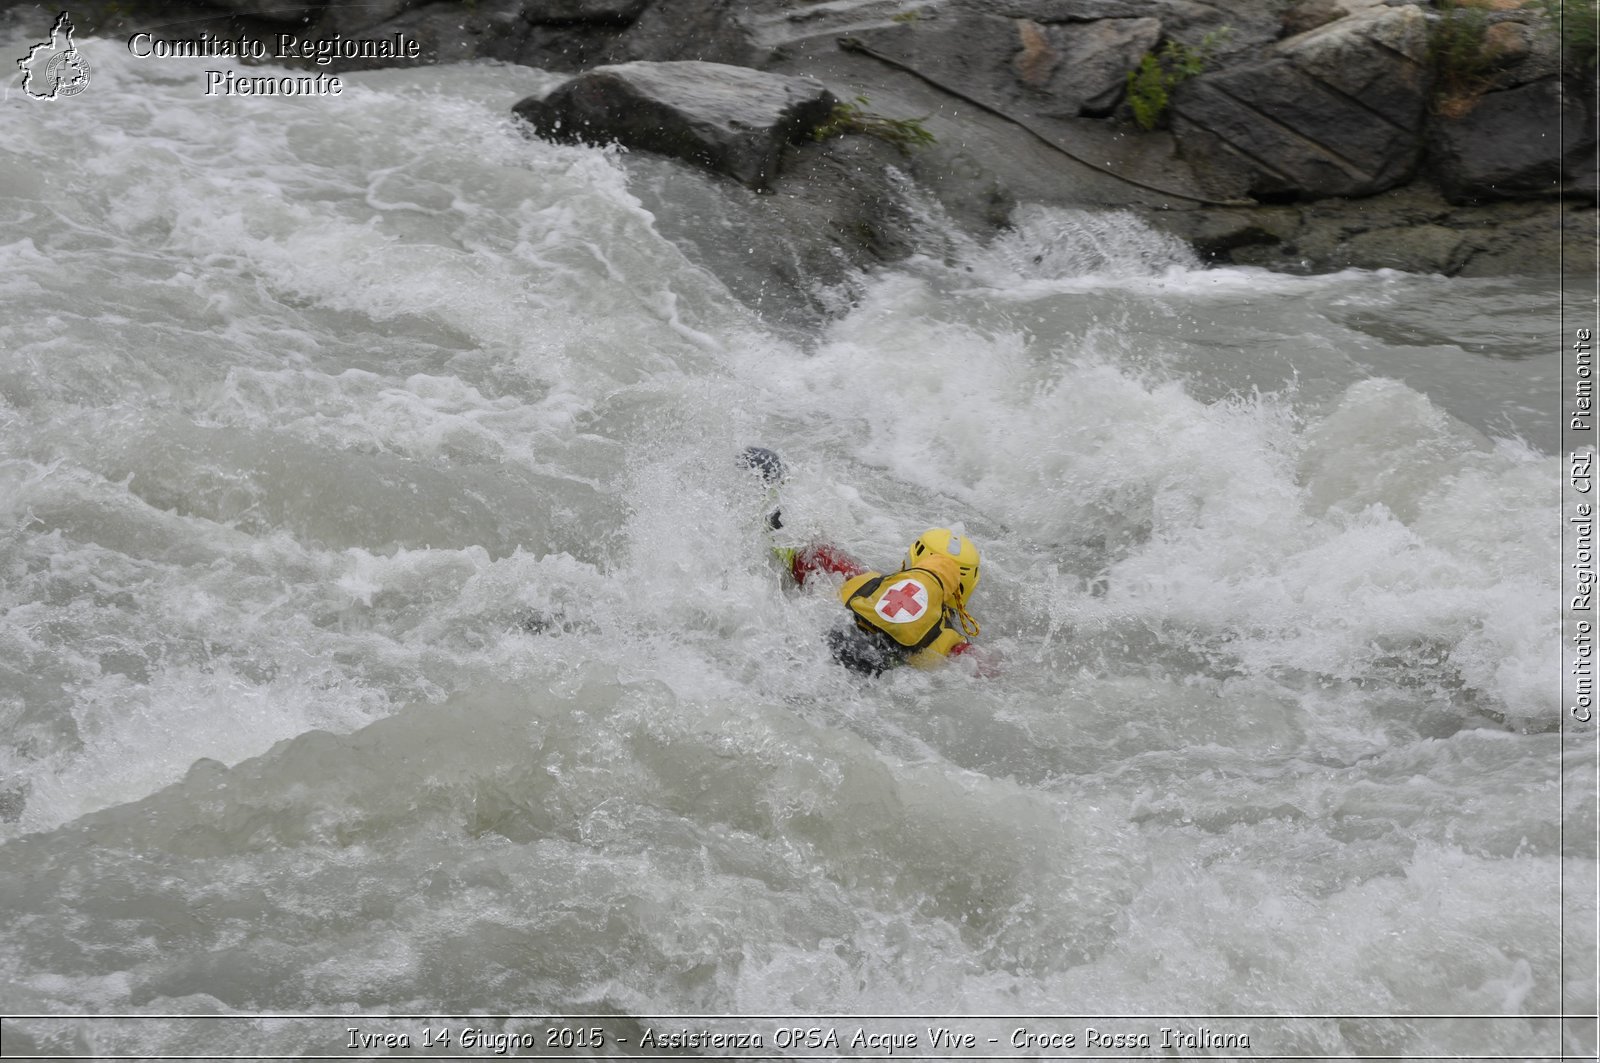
x=1150, y=85
x=853, y=117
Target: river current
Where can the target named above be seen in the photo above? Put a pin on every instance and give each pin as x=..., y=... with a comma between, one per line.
x=387, y=628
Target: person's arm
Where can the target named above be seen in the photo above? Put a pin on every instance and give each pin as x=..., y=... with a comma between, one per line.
x=820, y=558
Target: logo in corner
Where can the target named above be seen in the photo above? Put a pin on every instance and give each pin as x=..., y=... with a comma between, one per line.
x=55, y=68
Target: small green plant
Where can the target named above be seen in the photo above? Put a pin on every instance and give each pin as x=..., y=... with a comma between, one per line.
x=1577, y=23
x=1147, y=91
x=914, y=15
x=1461, y=63
x=1150, y=84
x=904, y=133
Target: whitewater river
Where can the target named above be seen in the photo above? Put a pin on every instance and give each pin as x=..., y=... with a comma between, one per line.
x=387, y=629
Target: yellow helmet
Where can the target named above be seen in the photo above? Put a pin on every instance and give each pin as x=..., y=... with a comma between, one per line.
x=957, y=547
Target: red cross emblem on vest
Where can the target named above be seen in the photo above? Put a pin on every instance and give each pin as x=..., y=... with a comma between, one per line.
x=903, y=602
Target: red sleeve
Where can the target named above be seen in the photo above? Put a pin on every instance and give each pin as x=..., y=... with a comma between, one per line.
x=821, y=557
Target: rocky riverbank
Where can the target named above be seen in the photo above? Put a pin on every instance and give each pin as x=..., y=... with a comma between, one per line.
x=1453, y=136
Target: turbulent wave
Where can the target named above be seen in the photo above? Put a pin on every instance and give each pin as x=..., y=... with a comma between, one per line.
x=385, y=625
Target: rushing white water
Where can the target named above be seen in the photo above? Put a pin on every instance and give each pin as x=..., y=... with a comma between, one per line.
x=385, y=625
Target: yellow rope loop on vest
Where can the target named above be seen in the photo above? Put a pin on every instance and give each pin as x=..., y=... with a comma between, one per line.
x=969, y=626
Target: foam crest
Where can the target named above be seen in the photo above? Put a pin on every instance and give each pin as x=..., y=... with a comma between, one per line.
x=1053, y=243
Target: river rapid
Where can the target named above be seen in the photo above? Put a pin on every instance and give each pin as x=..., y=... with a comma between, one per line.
x=386, y=626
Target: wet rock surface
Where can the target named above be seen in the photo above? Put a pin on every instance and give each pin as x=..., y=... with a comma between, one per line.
x=728, y=119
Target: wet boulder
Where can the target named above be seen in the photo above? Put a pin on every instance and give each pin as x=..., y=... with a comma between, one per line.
x=1335, y=111
x=727, y=119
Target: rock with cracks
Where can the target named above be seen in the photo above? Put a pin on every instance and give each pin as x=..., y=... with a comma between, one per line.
x=1337, y=111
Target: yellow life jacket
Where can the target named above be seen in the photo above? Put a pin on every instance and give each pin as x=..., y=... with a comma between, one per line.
x=911, y=607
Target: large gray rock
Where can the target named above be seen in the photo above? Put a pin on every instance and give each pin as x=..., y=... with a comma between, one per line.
x=1510, y=145
x=1337, y=111
x=728, y=119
